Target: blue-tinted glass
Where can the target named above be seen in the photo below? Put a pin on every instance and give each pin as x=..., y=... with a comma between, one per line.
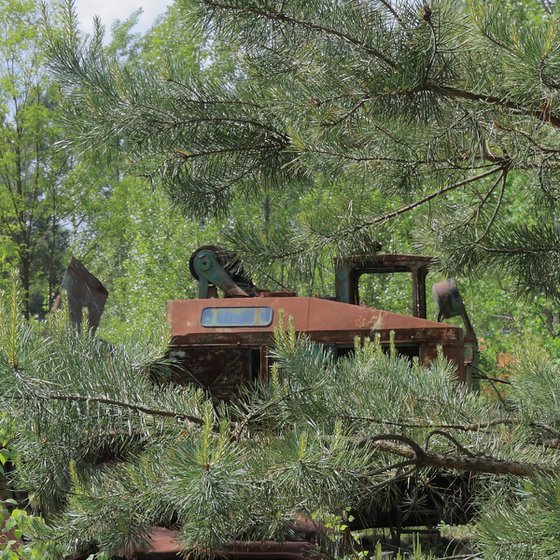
x=236, y=317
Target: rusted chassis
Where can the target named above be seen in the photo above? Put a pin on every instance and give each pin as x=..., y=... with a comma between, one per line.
x=220, y=358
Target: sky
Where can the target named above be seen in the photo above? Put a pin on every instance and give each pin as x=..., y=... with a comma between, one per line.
x=110, y=10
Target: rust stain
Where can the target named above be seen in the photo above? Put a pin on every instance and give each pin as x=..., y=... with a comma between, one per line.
x=220, y=358
x=164, y=543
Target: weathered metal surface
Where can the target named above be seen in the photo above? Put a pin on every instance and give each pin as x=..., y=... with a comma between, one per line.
x=214, y=266
x=209, y=271
x=84, y=290
x=309, y=315
x=349, y=269
x=222, y=371
x=448, y=299
x=218, y=324
x=450, y=304
x=324, y=321
x=164, y=544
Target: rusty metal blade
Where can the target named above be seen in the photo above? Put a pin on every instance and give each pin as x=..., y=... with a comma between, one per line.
x=84, y=291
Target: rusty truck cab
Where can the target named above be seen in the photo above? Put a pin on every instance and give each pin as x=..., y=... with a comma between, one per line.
x=220, y=343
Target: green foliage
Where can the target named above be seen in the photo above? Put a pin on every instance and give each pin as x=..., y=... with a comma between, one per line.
x=17, y=523
x=120, y=224
x=90, y=427
x=367, y=111
x=140, y=246
x=33, y=201
x=524, y=526
x=298, y=132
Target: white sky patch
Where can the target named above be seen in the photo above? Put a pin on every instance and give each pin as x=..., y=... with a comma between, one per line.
x=111, y=10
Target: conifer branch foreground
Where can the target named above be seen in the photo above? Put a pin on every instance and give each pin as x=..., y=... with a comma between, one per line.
x=108, y=454
x=365, y=101
x=408, y=207
x=478, y=464
x=285, y=19
x=385, y=443
x=142, y=409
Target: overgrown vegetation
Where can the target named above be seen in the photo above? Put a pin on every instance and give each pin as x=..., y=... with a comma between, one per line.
x=293, y=132
x=303, y=443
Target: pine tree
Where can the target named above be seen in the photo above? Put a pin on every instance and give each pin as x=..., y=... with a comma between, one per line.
x=106, y=454
x=445, y=111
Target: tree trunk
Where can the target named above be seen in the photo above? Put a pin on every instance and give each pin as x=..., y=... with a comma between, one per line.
x=25, y=278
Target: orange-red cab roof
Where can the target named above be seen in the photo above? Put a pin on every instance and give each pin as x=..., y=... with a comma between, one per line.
x=323, y=320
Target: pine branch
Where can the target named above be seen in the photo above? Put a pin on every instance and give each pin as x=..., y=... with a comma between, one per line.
x=407, y=208
x=475, y=214
x=374, y=158
x=462, y=427
x=449, y=437
x=544, y=115
x=229, y=120
x=111, y=402
x=393, y=12
x=256, y=149
x=529, y=138
x=256, y=414
x=284, y=18
x=479, y=464
x=496, y=209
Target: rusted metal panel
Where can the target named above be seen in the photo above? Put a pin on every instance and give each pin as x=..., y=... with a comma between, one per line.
x=164, y=544
x=220, y=370
x=348, y=271
x=214, y=355
x=386, y=262
x=84, y=290
x=309, y=315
